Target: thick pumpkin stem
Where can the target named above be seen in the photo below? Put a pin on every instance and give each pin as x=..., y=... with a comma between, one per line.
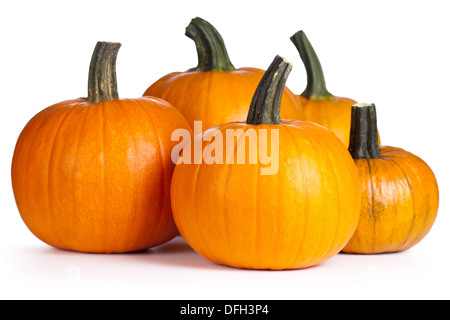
x=102, y=84
x=211, y=50
x=266, y=102
x=316, y=87
x=364, y=132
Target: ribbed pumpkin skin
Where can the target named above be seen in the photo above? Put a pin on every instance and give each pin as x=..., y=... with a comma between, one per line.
x=216, y=98
x=334, y=114
x=400, y=200
x=296, y=218
x=96, y=177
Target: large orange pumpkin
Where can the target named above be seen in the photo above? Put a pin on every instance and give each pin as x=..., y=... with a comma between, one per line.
x=214, y=92
x=294, y=211
x=317, y=103
x=400, y=195
x=93, y=174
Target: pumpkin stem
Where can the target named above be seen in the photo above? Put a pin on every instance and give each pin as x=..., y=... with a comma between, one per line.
x=266, y=102
x=316, y=87
x=211, y=50
x=102, y=85
x=364, y=132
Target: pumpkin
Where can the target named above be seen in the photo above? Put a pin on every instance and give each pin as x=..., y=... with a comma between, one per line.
x=399, y=191
x=214, y=92
x=295, y=209
x=93, y=174
x=317, y=103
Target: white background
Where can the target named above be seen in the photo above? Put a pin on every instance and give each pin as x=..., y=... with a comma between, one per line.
x=393, y=53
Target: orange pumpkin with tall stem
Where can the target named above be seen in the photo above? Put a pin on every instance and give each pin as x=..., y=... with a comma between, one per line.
x=93, y=174
x=317, y=103
x=214, y=92
x=294, y=211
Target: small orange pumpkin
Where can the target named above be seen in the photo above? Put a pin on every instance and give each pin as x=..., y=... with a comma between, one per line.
x=300, y=212
x=214, y=92
x=317, y=103
x=400, y=195
x=93, y=174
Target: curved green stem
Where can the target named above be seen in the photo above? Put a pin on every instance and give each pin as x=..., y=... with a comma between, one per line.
x=315, y=88
x=266, y=102
x=364, y=132
x=102, y=85
x=211, y=50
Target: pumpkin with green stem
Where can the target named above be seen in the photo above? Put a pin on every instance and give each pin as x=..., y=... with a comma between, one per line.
x=93, y=174
x=295, y=209
x=400, y=195
x=317, y=103
x=214, y=92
